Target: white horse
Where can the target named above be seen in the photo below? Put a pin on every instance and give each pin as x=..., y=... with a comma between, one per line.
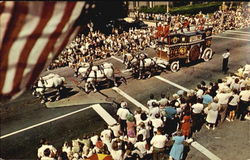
x=140, y=63
x=83, y=69
x=96, y=74
x=50, y=82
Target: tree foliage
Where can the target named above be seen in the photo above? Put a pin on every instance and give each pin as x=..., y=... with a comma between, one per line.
x=185, y=9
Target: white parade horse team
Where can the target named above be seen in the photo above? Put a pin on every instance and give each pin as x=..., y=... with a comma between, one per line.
x=142, y=64
x=94, y=74
x=47, y=83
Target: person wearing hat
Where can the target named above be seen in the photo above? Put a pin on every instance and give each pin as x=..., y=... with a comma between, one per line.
x=225, y=61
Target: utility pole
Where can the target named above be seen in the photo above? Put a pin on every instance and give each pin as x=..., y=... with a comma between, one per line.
x=222, y=15
x=231, y=5
x=167, y=7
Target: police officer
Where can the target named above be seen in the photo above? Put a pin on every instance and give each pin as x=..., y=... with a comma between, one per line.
x=225, y=61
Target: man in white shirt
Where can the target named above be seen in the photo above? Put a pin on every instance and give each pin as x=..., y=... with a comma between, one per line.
x=197, y=109
x=232, y=105
x=223, y=99
x=199, y=92
x=151, y=100
x=157, y=122
x=122, y=113
x=158, y=142
x=115, y=128
x=154, y=110
x=47, y=154
x=45, y=145
x=163, y=101
x=225, y=61
x=244, y=103
x=106, y=135
x=140, y=146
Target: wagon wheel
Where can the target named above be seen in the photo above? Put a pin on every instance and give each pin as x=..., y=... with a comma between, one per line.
x=207, y=54
x=194, y=53
x=175, y=66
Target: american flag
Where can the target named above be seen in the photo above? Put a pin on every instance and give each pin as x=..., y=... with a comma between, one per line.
x=31, y=35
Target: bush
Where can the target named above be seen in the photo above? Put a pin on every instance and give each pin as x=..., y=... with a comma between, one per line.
x=184, y=10
x=156, y=9
x=196, y=8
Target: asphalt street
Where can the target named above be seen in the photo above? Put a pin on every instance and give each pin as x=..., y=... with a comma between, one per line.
x=229, y=141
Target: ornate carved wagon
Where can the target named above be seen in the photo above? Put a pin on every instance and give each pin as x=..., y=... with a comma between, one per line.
x=185, y=47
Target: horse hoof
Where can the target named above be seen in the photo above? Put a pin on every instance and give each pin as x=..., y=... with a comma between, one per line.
x=42, y=102
x=95, y=90
x=57, y=98
x=116, y=84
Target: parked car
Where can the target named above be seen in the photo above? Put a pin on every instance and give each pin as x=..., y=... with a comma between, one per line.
x=138, y=24
x=119, y=24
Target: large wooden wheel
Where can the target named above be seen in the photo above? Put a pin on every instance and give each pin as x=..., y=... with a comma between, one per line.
x=175, y=66
x=207, y=54
x=194, y=53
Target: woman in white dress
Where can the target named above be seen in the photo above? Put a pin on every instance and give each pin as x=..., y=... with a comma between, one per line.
x=212, y=113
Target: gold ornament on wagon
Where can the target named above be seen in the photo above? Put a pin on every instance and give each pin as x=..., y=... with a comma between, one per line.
x=175, y=39
x=183, y=50
x=208, y=43
x=208, y=33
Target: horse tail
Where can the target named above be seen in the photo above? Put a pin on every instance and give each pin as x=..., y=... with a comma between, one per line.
x=125, y=58
x=95, y=75
x=77, y=71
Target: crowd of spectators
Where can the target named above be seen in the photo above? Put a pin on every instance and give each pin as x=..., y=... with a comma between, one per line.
x=219, y=20
x=97, y=45
x=165, y=127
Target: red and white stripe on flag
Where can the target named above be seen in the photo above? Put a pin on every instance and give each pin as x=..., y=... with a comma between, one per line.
x=31, y=34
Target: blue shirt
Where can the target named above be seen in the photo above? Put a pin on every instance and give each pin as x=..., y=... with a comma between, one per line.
x=170, y=112
x=207, y=99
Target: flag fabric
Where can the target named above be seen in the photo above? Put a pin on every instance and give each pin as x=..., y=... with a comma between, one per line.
x=31, y=35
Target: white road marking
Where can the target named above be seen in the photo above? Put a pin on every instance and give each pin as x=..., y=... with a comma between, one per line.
x=117, y=59
x=45, y=122
x=104, y=114
x=203, y=150
x=131, y=99
x=171, y=83
x=239, y=32
x=241, y=39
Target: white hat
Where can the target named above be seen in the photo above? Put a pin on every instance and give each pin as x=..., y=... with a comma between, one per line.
x=124, y=104
x=176, y=104
x=175, y=96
